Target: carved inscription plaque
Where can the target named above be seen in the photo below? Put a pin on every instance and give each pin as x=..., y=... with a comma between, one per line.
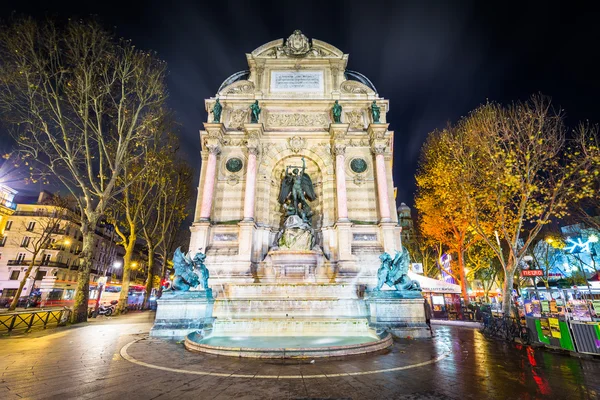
x=297, y=81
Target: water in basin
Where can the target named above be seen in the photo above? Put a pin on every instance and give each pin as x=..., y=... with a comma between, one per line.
x=287, y=342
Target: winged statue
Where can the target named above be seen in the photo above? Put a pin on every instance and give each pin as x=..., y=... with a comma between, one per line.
x=185, y=274
x=296, y=190
x=394, y=272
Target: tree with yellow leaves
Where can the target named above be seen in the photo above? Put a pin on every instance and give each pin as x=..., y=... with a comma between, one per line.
x=520, y=168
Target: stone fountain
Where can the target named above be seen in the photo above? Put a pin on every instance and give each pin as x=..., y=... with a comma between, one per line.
x=294, y=310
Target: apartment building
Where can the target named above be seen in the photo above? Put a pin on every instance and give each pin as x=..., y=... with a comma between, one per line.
x=56, y=266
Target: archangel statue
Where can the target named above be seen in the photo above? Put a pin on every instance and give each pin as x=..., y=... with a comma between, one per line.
x=217, y=112
x=254, y=112
x=394, y=273
x=186, y=276
x=296, y=189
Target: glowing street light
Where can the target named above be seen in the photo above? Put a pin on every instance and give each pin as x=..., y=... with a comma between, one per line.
x=117, y=264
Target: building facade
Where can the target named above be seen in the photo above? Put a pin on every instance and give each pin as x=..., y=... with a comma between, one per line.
x=296, y=83
x=56, y=265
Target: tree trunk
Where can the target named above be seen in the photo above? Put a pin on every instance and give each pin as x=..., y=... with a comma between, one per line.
x=507, y=289
x=15, y=301
x=149, y=279
x=124, y=296
x=80, y=305
x=463, y=276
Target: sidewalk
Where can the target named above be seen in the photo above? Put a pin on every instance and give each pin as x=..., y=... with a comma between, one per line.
x=464, y=324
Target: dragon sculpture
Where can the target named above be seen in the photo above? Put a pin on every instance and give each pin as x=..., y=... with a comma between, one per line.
x=189, y=272
x=394, y=272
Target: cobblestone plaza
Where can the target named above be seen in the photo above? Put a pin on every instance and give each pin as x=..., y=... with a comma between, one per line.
x=115, y=359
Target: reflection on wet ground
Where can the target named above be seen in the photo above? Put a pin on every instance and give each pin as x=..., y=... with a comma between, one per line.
x=459, y=363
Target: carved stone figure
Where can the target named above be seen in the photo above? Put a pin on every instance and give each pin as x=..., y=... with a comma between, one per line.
x=375, y=112
x=186, y=271
x=198, y=262
x=337, y=112
x=394, y=273
x=185, y=277
x=217, y=112
x=255, y=112
x=297, y=45
x=297, y=185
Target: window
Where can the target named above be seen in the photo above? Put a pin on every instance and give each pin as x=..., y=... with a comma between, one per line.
x=3, y=240
x=31, y=226
x=40, y=275
x=20, y=258
x=8, y=225
x=25, y=241
x=14, y=275
x=46, y=259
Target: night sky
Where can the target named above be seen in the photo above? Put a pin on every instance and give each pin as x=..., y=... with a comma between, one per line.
x=435, y=61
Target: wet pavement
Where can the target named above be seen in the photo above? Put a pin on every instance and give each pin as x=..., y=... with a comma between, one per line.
x=114, y=358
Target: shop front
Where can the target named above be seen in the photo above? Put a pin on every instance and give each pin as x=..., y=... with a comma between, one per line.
x=443, y=297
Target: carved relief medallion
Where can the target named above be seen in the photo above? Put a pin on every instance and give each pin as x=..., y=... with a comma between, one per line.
x=238, y=118
x=356, y=119
x=296, y=143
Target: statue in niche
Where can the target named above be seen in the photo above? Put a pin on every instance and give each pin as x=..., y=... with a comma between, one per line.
x=217, y=108
x=297, y=186
x=375, y=112
x=254, y=112
x=296, y=191
x=394, y=272
x=185, y=268
x=337, y=112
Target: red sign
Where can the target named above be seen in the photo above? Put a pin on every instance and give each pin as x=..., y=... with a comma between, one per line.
x=532, y=272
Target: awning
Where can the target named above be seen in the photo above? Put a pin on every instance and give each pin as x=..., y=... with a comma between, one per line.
x=434, y=285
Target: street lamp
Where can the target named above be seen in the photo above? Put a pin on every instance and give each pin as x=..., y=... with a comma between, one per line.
x=117, y=264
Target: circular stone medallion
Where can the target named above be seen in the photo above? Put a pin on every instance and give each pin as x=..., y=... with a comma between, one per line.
x=234, y=164
x=358, y=165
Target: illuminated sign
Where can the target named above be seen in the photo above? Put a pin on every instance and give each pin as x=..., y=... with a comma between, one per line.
x=532, y=272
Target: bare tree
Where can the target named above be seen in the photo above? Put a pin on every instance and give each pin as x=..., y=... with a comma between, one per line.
x=38, y=234
x=79, y=102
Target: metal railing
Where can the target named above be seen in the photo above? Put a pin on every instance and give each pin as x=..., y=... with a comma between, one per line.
x=33, y=319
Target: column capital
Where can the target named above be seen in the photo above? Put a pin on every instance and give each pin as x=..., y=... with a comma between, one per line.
x=254, y=131
x=213, y=139
x=214, y=130
x=379, y=146
x=377, y=130
x=212, y=145
x=339, y=148
x=338, y=131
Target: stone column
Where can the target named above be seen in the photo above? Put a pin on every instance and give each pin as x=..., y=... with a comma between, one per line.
x=340, y=176
x=338, y=145
x=253, y=134
x=250, y=185
x=247, y=226
x=209, y=181
x=379, y=145
x=212, y=143
x=382, y=187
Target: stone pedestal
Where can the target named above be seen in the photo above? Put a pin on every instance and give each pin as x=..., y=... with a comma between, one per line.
x=180, y=313
x=402, y=313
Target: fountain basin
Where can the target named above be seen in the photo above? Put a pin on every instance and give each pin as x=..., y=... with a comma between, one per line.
x=288, y=347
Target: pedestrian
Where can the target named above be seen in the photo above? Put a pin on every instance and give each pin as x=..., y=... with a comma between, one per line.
x=428, y=315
